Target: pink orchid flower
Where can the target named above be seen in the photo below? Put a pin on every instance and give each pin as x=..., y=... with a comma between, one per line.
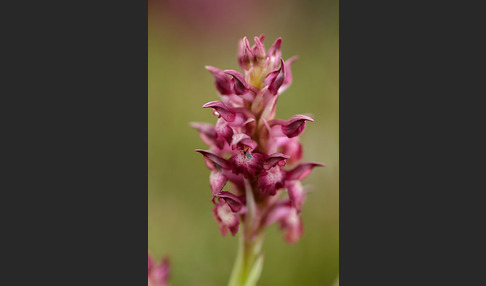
x=158, y=273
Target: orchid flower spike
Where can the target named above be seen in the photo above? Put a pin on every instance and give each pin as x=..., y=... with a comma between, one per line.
x=256, y=174
x=249, y=144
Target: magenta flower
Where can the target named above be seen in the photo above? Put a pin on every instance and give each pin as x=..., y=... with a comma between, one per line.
x=158, y=273
x=253, y=155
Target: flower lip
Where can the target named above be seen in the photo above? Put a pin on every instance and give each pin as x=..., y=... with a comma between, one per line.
x=217, y=180
x=292, y=224
x=221, y=110
x=223, y=131
x=226, y=218
x=246, y=163
x=277, y=212
x=296, y=194
x=271, y=180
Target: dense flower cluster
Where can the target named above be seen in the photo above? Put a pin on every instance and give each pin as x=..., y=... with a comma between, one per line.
x=250, y=148
x=158, y=273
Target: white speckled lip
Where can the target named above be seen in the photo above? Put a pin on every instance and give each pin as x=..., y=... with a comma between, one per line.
x=273, y=176
x=226, y=215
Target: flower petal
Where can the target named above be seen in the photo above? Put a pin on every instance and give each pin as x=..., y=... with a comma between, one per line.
x=234, y=202
x=221, y=80
x=291, y=147
x=288, y=73
x=213, y=161
x=217, y=181
x=225, y=217
x=292, y=224
x=296, y=194
x=221, y=110
x=275, y=79
x=159, y=274
x=294, y=127
x=206, y=131
x=302, y=170
x=239, y=84
x=243, y=141
x=245, y=54
x=261, y=100
x=277, y=212
x=274, y=50
x=258, y=49
x=271, y=180
x=262, y=37
x=223, y=131
x=276, y=158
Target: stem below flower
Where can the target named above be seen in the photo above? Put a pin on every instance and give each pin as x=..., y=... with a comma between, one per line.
x=249, y=260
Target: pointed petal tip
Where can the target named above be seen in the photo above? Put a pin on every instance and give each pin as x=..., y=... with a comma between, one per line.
x=292, y=60
x=197, y=125
x=314, y=164
x=194, y=125
x=301, y=117
x=234, y=73
x=211, y=69
x=212, y=104
x=280, y=155
x=302, y=170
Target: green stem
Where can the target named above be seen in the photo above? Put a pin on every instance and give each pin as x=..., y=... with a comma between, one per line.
x=249, y=260
x=238, y=266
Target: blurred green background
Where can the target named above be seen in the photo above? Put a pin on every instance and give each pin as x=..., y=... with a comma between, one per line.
x=183, y=37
